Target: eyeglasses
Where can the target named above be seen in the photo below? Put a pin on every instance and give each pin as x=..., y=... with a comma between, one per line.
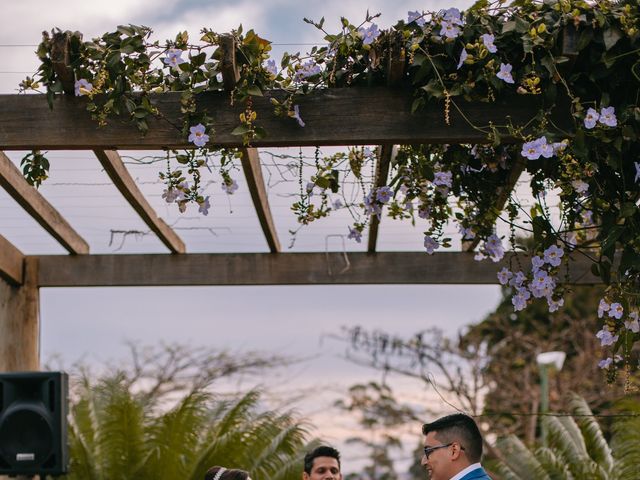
x=429, y=450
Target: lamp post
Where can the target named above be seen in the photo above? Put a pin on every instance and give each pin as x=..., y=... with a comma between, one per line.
x=547, y=361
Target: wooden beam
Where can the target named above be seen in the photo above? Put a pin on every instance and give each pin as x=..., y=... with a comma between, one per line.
x=279, y=269
x=386, y=154
x=20, y=322
x=255, y=182
x=11, y=262
x=250, y=156
x=503, y=195
x=113, y=165
x=337, y=116
x=39, y=208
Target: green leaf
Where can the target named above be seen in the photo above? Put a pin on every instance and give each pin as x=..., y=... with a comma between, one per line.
x=254, y=90
x=627, y=209
x=613, y=236
x=240, y=130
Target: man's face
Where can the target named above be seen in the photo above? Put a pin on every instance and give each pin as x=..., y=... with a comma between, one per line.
x=440, y=462
x=324, y=468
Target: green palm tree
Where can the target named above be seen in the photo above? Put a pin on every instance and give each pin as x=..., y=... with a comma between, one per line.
x=577, y=450
x=114, y=434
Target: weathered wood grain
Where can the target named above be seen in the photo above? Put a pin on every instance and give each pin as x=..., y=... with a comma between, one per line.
x=11, y=262
x=337, y=116
x=386, y=153
x=121, y=178
x=278, y=269
x=39, y=208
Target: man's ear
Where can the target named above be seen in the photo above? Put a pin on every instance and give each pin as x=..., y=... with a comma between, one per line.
x=456, y=452
x=305, y=476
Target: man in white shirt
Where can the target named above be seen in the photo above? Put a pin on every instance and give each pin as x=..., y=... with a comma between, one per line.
x=453, y=449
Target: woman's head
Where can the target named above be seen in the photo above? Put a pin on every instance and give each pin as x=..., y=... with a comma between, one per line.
x=222, y=473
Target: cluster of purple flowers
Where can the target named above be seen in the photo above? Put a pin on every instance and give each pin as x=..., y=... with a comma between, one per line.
x=607, y=116
x=355, y=234
x=430, y=244
x=450, y=23
x=542, y=283
x=608, y=335
x=306, y=70
x=82, y=87
x=540, y=147
x=491, y=248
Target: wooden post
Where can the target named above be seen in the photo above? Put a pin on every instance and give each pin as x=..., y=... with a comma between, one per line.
x=20, y=322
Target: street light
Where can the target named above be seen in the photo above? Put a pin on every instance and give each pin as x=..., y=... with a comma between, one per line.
x=547, y=361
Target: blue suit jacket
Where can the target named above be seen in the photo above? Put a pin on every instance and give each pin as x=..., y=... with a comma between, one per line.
x=477, y=474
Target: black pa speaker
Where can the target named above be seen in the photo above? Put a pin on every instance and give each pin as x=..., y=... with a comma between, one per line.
x=33, y=423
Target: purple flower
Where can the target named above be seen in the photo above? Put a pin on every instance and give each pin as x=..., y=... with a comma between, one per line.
x=198, y=135
x=173, y=58
x=337, y=204
x=505, y=72
x=442, y=179
x=517, y=280
x=637, y=165
x=606, y=363
x=608, y=117
x=229, y=188
x=616, y=310
x=415, y=17
x=519, y=300
x=309, y=188
x=580, y=187
x=82, y=87
x=424, y=211
x=591, y=118
x=271, y=67
x=488, y=40
x=633, y=324
x=533, y=149
x=355, y=234
x=307, y=70
x=554, y=305
x=463, y=57
x=452, y=15
x=430, y=244
x=384, y=194
x=170, y=195
x=467, y=233
x=369, y=34
x=546, y=149
x=493, y=248
x=606, y=337
x=552, y=255
x=204, y=206
x=536, y=263
x=449, y=29
x=603, y=307
x=296, y=115
x=504, y=275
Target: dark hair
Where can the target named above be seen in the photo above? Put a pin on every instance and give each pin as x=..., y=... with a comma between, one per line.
x=458, y=428
x=228, y=474
x=321, y=451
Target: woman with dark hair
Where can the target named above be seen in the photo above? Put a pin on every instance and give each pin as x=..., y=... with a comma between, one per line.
x=222, y=473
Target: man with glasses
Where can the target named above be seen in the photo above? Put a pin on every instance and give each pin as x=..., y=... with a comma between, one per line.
x=322, y=463
x=453, y=448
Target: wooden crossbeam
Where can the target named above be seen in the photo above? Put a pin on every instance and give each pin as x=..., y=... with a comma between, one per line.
x=11, y=262
x=121, y=178
x=39, y=208
x=250, y=156
x=386, y=153
x=503, y=195
x=280, y=269
x=337, y=116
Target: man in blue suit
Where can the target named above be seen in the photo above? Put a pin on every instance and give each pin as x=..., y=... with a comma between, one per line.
x=453, y=449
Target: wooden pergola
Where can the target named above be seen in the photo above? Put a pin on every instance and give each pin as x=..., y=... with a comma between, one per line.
x=334, y=117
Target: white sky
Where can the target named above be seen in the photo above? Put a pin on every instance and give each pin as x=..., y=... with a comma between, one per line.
x=92, y=323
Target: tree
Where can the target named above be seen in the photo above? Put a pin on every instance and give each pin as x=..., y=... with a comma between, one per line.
x=156, y=419
x=577, y=449
x=380, y=416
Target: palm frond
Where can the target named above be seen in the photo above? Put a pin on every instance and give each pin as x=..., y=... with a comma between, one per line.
x=556, y=468
x=520, y=460
x=596, y=444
